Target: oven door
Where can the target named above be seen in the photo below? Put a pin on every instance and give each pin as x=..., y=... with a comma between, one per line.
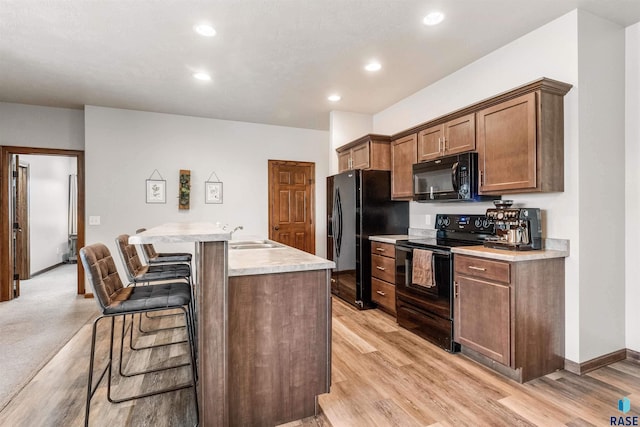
x=436, y=299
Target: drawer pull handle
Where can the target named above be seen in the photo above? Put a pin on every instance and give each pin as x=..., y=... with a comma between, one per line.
x=380, y=268
x=381, y=293
x=473, y=267
x=380, y=249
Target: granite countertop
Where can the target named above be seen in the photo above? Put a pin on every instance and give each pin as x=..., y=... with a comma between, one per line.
x=179, y=232
x=513, y=256
x=280, y=259
x=390, y=238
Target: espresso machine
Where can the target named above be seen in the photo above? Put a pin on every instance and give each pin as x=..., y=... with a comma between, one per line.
x=516, y=229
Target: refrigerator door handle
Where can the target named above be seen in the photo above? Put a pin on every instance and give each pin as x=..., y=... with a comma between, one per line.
x=337, y=229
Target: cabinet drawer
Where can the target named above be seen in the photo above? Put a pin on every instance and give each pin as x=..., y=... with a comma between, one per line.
x=384, y=249
x=482, y=268
x=384, y=294
x=383, y=268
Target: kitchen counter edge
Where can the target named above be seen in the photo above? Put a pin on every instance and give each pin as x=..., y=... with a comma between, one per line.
x=512, y=256
x=391, y=238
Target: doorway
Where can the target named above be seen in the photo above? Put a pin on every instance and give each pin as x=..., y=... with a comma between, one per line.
x=292, y=204
x=10, y=231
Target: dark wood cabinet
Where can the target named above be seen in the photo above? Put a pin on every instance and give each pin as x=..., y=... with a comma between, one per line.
x=520, y=141
x=369, y=152
x=383, y=276
x=403, y=156
x=452, y=137
x=510, y=315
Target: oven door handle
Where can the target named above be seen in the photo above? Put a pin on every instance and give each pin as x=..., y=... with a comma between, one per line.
x=409, y=249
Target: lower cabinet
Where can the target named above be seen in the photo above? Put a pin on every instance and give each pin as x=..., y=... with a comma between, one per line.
x=510, y=315
x=383, y=276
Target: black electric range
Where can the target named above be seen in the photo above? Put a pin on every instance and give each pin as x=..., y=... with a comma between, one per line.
x=428, y=310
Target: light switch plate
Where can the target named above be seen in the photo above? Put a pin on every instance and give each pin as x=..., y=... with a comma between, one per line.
x=94, y=220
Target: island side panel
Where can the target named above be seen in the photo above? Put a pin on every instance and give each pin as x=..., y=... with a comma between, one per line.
x=279, y=329
x=212, y=306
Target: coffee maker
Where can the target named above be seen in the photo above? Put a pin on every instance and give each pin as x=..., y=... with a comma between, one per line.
x=516, y=229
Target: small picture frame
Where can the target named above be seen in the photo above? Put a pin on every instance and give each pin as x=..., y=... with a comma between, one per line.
x=212, y=192
x=156, y=191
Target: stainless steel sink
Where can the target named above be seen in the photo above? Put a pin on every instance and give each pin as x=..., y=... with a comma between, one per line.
x=253, y=244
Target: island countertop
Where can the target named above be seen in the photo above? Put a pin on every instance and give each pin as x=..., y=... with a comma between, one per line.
x=180, y=232
x=280, y=259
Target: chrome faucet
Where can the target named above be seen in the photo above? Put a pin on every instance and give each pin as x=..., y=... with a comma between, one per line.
x=237, y=228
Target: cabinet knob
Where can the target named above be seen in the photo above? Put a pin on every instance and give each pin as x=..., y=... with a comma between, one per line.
x=381, y=293
x=473, y=267
x=380, y=268
x=380, y=249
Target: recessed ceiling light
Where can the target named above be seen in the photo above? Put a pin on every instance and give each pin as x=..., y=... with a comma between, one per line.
x=205, y=30
x=334, y=98
x=373, y=66
x=434, y=18
x=202, y=76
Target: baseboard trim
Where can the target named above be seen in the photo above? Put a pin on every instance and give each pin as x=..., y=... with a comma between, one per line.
x=634, y=355
x=44, y=270
x=598, y=362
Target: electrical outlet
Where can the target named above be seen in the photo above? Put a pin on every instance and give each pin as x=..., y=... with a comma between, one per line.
x=94, y=220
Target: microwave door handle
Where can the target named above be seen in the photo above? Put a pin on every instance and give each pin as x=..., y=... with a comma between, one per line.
x=454, y=176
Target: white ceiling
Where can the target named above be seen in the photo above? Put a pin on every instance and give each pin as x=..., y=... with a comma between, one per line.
x=272, y=61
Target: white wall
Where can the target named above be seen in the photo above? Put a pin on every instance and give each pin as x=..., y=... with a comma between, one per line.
x=42, y=127
x=632, y=186
x=344, y=127
x=48, y=208
x=601, y=77
x=123, y=148
x=563, y=50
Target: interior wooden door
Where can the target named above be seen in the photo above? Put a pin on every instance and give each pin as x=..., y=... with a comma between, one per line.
x=291, y=204
x=23, y=261
x=16, y=241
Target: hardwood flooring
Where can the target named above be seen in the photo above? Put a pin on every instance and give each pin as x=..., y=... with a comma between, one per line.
x=382, y=375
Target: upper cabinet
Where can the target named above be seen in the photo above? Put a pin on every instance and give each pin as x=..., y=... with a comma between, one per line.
x=520, y=140
x=452, y=137
x=369, y=152
x=403, y=156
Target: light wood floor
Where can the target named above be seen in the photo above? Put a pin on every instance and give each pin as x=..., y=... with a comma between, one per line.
x=382, y=375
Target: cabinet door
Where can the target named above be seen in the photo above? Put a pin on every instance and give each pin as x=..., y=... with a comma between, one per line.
x=344, y=160
x=403, y=156
x=430, y=143
x=360, y=156
x=482, y=318
x=507, y=145
x=460, y=135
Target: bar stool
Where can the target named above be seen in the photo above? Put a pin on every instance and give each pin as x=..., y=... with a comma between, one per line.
x=144, y=274
x=115, y=300
x=152, y=257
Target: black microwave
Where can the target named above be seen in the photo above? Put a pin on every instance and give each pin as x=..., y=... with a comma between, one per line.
x=451, y=178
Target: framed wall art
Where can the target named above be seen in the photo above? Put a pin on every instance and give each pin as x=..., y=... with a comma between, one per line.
x=156, y=191
x=213, y=192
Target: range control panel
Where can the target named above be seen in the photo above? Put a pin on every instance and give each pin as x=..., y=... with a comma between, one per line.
x=467, y=223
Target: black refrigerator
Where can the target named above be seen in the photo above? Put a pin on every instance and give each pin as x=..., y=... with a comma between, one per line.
x=359, y=205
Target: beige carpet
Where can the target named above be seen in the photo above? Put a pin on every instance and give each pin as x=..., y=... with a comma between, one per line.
x=35, y=326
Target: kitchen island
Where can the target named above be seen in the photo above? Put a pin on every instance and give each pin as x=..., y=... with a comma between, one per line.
x=264, y=326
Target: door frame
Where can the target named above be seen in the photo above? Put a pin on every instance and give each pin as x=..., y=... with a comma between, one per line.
x=6, y=255
x=312, y=198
